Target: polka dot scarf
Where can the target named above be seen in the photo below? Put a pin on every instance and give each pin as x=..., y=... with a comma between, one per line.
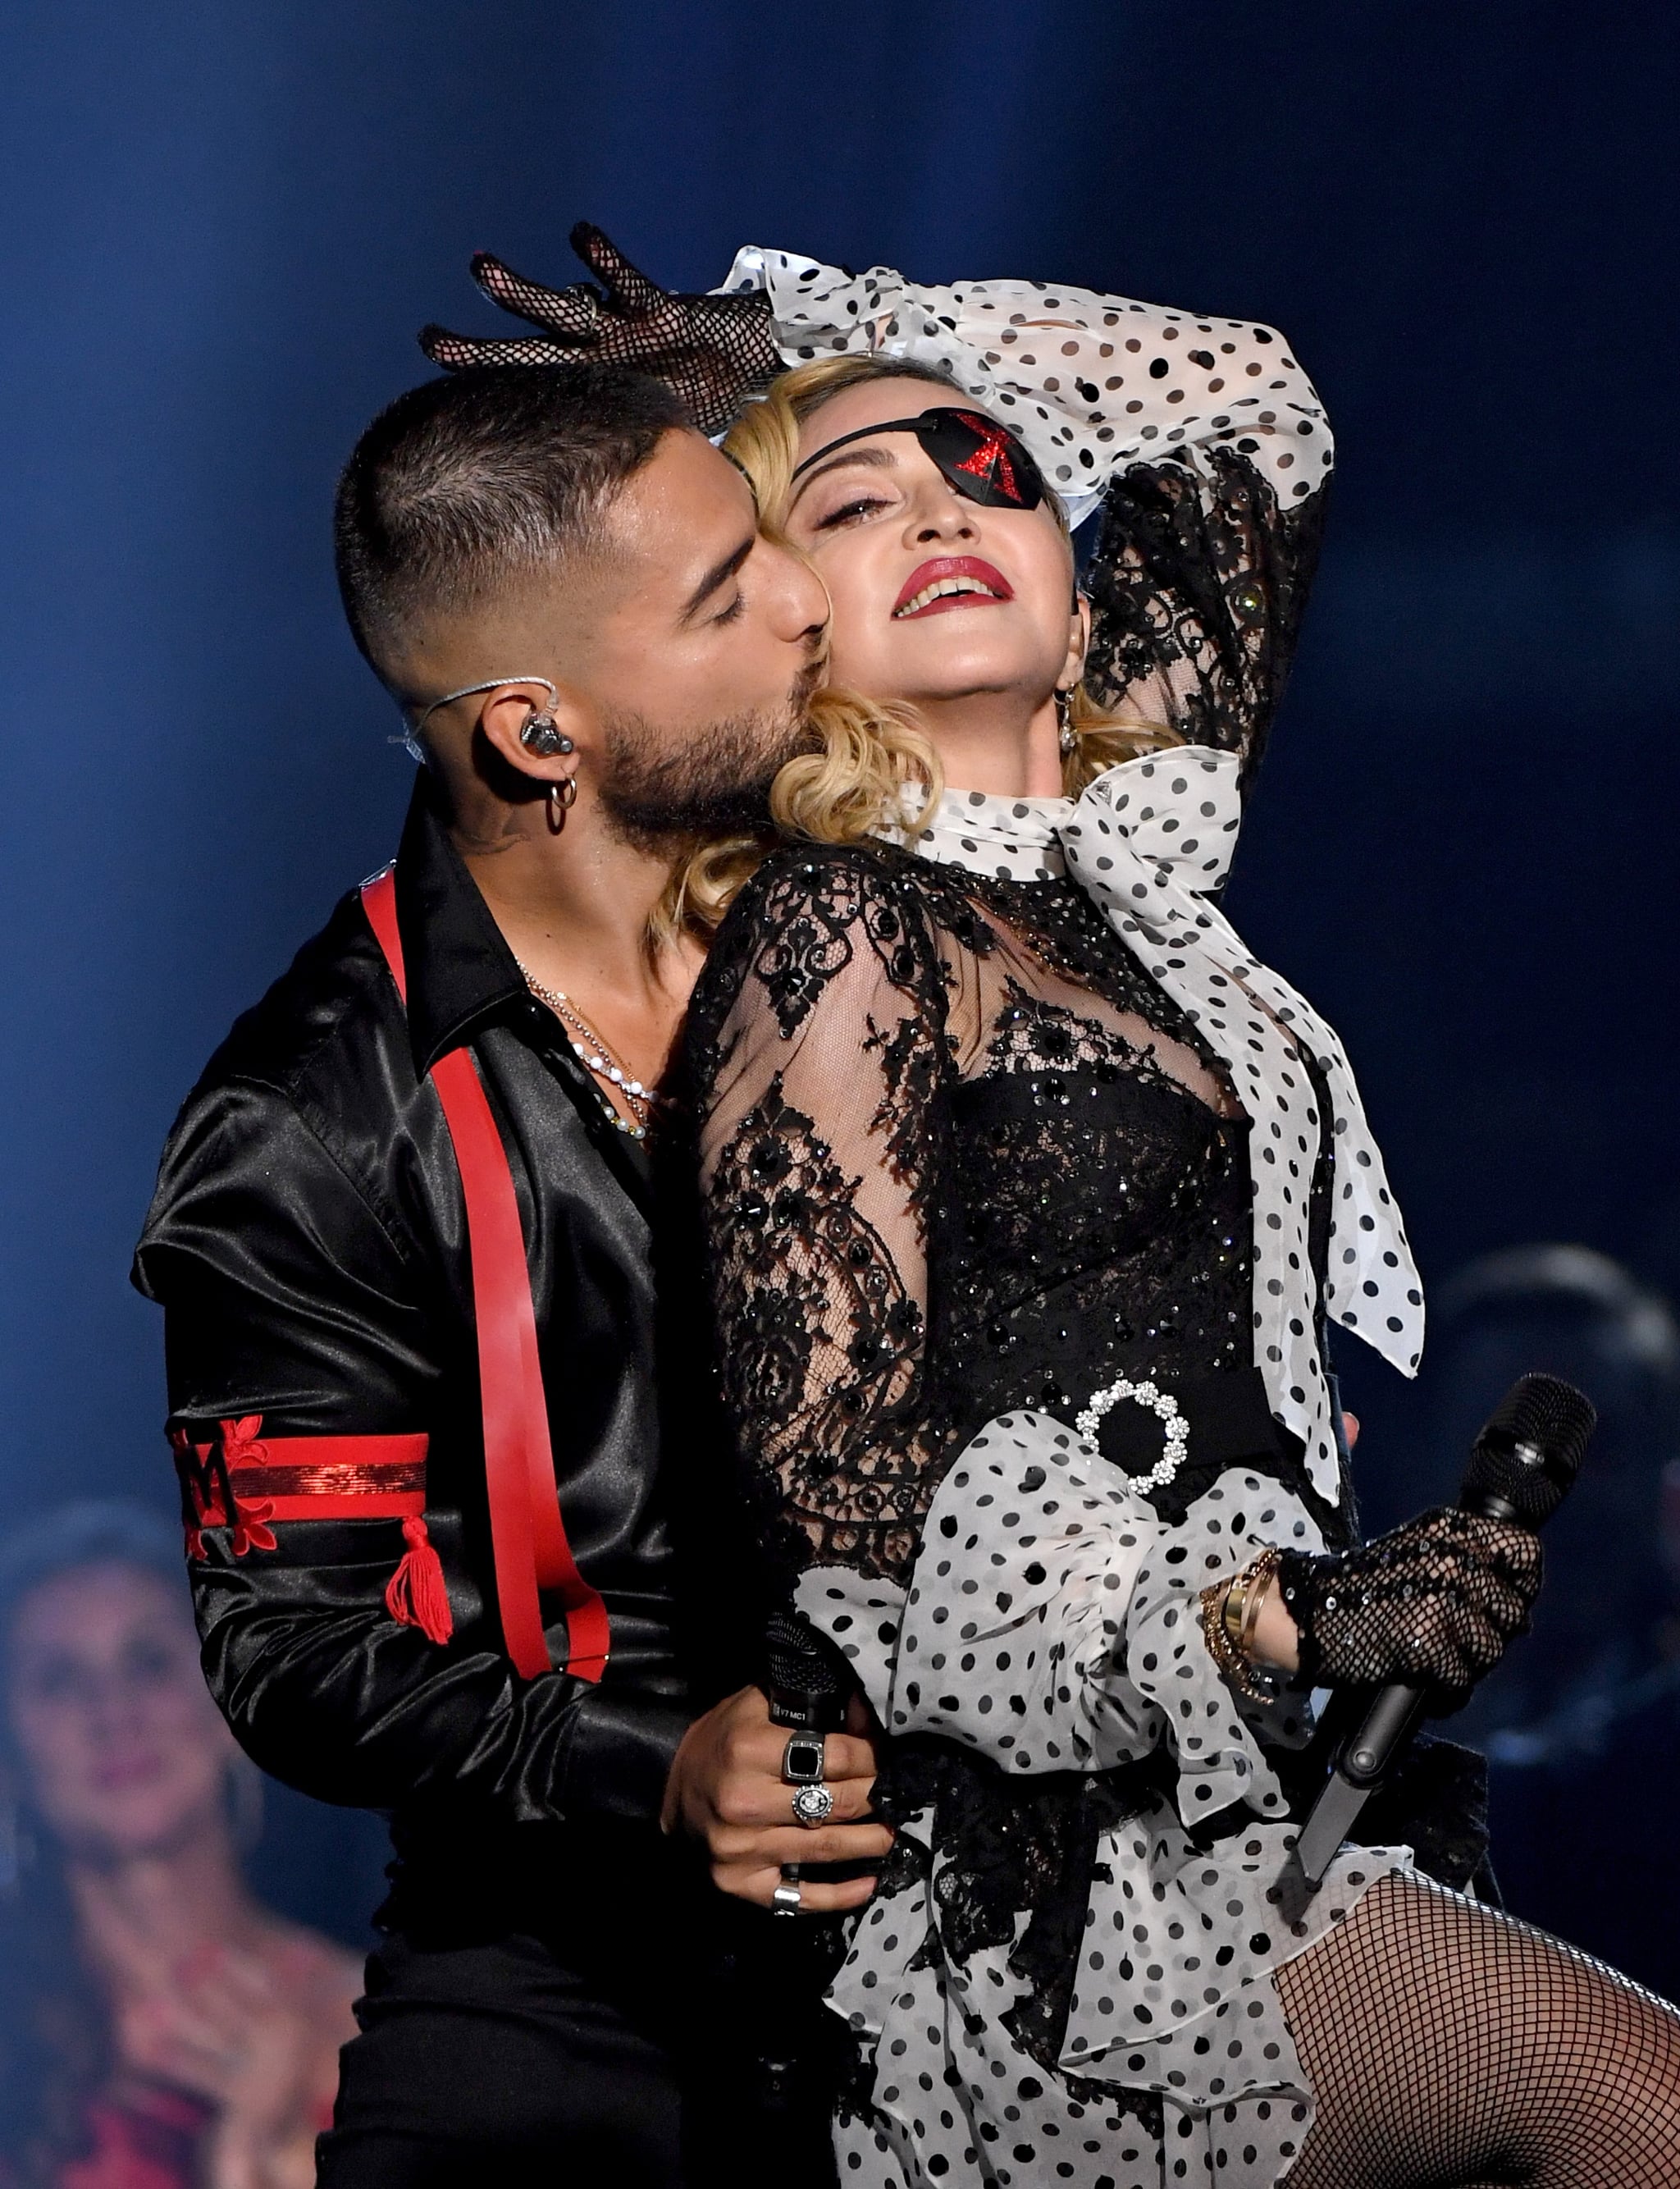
x=1014, y=839
x=1146, y=840
x=1091, y=383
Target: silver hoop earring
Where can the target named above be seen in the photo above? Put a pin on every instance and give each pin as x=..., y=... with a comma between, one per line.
x=540, y=735
x=563, y=796
x=1068, y=738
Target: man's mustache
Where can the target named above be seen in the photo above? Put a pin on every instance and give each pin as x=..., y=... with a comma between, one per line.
x=809, y=680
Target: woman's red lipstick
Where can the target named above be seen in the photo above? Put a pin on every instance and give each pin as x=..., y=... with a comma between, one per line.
x=941, y=572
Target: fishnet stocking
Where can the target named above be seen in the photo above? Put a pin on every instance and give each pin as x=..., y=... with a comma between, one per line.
x=1450, y=2048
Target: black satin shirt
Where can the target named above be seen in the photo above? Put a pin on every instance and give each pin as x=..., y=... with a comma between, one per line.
x=307, y=1245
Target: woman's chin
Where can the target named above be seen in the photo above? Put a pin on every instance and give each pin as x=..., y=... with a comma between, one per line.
x=950, y=678
x=130, y=1823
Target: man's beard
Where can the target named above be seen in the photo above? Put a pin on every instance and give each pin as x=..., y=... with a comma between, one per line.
x=658, y=787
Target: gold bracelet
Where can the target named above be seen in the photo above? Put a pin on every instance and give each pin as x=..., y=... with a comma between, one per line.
x=1233, y=1667
x=1244, y=1595
x=1261, y=1578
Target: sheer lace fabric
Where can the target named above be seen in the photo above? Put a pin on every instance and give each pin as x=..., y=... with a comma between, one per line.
x=1434, y=1602
x=963, y=1157
x=1028, y=1176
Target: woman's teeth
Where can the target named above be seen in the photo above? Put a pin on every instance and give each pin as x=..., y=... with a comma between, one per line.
x=939, y=591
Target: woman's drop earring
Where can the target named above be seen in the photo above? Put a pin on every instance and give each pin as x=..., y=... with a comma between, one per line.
x=563, y=796
x=1068, y=738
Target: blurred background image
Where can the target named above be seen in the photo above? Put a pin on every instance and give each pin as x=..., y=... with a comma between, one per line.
x=223, y=227
x=162, y=2022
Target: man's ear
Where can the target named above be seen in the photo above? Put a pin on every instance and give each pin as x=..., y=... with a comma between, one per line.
x=1079, y=642
x=538, y=734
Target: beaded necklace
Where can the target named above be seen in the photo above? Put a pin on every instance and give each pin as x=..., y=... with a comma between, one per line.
x=593, y=1053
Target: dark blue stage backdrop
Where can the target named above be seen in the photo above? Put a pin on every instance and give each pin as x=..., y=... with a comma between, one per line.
x=221, y=226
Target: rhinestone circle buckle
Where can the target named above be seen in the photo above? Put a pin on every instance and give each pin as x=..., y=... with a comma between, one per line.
x=1159, y=1402
x=813, y=1805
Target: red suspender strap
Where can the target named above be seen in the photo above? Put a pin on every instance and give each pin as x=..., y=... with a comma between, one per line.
x=527, y=1535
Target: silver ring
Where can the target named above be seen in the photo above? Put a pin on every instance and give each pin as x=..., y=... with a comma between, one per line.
x=785, y=1900
x=813, y=1805
x=802, y=1759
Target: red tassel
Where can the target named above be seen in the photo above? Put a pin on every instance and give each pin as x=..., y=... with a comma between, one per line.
x=415, y=1595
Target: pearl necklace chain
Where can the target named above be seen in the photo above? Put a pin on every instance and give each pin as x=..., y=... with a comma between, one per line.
x=595, y=1056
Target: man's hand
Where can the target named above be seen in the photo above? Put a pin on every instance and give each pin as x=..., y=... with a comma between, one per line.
x=726, y=1788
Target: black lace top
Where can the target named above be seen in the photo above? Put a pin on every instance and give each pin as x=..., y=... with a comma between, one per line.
x=960, y=1155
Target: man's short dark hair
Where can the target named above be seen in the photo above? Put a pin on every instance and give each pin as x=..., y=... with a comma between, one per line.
x=483, y=475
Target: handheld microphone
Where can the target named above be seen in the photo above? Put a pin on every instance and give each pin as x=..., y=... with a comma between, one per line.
x=783, y=1969
x=1522, y=1466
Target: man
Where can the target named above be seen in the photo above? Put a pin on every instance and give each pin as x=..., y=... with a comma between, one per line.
x=563, y=585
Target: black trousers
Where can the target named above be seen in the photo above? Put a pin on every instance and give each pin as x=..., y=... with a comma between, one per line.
x=556, y=2013
x=496, y=2062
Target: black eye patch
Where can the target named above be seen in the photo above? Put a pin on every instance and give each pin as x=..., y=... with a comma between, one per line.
x=979, y=458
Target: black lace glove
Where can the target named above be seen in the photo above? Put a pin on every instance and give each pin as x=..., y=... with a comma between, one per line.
x=713, y=352
x=1432, y=1603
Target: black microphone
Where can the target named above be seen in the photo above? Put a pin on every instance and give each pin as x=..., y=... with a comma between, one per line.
x=771, y=1992
x=1522, y=1467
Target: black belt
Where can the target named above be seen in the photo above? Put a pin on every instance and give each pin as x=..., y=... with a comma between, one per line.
x=1229, y=1418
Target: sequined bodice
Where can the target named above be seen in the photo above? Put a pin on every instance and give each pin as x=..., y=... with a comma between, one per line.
x=1046, y=1292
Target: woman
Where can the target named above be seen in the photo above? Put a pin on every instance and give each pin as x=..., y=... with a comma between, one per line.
x=1028, y=1193
x=158, y=2027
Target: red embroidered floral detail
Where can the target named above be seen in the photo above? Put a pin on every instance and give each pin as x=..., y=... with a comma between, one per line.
x=193, y=1499
x=208, y=1498
x=241, y=1446
x=240, y=1442
x=251, y=1530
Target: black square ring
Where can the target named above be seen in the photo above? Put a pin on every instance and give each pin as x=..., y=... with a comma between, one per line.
x=802, y=1759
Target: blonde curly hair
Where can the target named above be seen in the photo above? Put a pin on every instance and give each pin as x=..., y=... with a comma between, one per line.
x=875, y=771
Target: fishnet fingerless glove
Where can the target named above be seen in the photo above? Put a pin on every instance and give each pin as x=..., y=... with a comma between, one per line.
x=1433, y=1604
x=711, y=352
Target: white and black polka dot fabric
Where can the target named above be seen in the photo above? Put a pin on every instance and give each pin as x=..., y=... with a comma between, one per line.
x=1014, y=839
x=1091, y=383
x=1051, y=1623
x=1146, y=840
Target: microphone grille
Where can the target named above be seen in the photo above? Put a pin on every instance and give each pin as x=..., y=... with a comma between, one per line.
x=801, y=1661
x=1531, y=1450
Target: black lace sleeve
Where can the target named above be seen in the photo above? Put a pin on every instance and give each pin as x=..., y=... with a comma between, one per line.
x=818, y=1049
x=1197, y=588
